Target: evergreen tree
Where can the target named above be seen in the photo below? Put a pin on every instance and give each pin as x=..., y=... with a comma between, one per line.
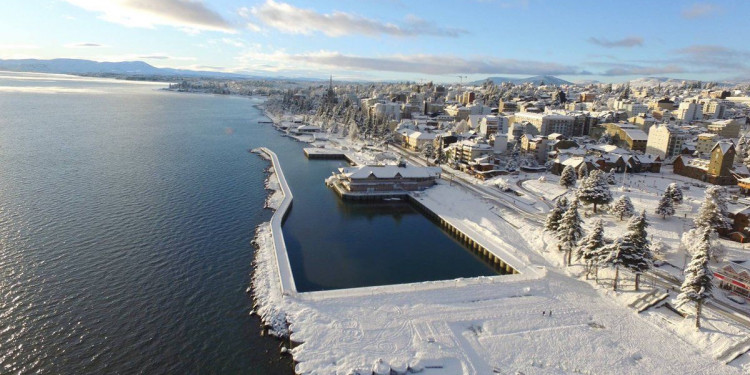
x=674, y=191
x=594, y=190
x=590, y=249
x=642, y=258
x=630, y=251
x=570, y=231
x=583, y=171
x=623, y=207
x=555, y=214
x=568, y=177
x=611, y=177
x=666, y=206
x=697, y=284
x=713, y=211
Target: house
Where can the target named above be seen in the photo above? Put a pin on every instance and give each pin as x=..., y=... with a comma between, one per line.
x=735, y=277
x=577, y=162
x=716, y=170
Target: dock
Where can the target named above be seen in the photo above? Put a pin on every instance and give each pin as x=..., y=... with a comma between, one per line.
x=328, y=154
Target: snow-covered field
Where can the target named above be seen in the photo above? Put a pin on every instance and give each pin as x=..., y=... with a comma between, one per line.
x=495, y=324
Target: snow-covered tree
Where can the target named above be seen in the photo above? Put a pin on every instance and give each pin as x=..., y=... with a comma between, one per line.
x=623, y=207
x=594, y=190
x=570, y=231
x=693, y=237
x=643, y=258
x=697, y=286
x=583, y=171
x=555, y=214
x=713, y=211
x=611, y=177
x=666, y=206
x=568, y=177
x=630, y=251
x=591, y=246
x=674, y=191
x=353, y=131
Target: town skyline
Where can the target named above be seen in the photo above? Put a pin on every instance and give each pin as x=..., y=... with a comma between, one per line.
x=391, y=40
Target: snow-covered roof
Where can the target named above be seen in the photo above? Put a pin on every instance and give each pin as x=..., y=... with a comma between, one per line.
x=389, y=171
x=636, y=134
x=724, y=146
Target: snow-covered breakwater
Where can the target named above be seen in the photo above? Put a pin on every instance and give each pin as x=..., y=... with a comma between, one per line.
x=283, y=266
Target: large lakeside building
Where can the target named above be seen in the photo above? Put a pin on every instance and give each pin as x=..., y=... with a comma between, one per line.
x=386, y=178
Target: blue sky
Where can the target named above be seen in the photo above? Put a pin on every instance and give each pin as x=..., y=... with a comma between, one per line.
x=393, y=39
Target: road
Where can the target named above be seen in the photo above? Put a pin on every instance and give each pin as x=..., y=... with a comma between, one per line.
x=662, y=279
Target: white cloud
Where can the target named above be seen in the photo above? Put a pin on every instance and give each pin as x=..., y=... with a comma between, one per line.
x=190, y=15
x=699, y=10
x=84, y=45
x=289, y=19
x=631, y=41
x=422, y=64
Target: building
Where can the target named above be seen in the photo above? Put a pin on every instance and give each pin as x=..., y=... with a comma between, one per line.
x=630, y=107
x=713, y=109
x=664, y=141
x=689, y=111
x=545, y=124
x=385, y=178
x=468, y=98
x=507, y=106
x=715, y=170
x=627, y=136
x=489, y=125
x=706, y=142
x=734, y=277
x=725, y=128
x=467, y=151
x=390, y=111
x=587, y=96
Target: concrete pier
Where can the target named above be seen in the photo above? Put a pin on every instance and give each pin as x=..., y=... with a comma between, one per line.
x=474, y=245
x=282, y=259
x=324, y=153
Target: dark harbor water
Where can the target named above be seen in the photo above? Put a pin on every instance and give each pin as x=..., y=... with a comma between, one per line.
x=126, y=220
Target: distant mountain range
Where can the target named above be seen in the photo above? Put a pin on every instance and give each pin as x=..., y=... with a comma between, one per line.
x=547, y=80
x=124, y=68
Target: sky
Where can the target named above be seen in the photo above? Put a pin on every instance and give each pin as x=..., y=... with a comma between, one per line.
x=443, y=41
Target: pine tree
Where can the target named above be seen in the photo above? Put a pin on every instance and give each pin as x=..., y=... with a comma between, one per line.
x=630, y=251
x=697, y=284
x=555, y=214
x=642, y=258
x=666, y=206
x=623, y=207
x=614, y=255
x=713, y=211
x=611, y=177
x=570, y=230
x=583, y=171
x=591, y=246
x=594, y=189
x=568, y=177
x=674, y=191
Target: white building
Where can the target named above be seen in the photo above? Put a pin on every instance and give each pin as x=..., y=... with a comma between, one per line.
x=664, y=141
x=545, y=123
x=689, y=111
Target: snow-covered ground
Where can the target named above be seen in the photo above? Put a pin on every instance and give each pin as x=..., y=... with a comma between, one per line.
x=495, y=324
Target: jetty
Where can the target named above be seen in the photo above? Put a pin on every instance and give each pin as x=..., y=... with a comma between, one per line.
x=282, y=258
x=325, y=153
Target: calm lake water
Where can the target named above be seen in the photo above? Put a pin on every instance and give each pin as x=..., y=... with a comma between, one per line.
x=126, y=220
